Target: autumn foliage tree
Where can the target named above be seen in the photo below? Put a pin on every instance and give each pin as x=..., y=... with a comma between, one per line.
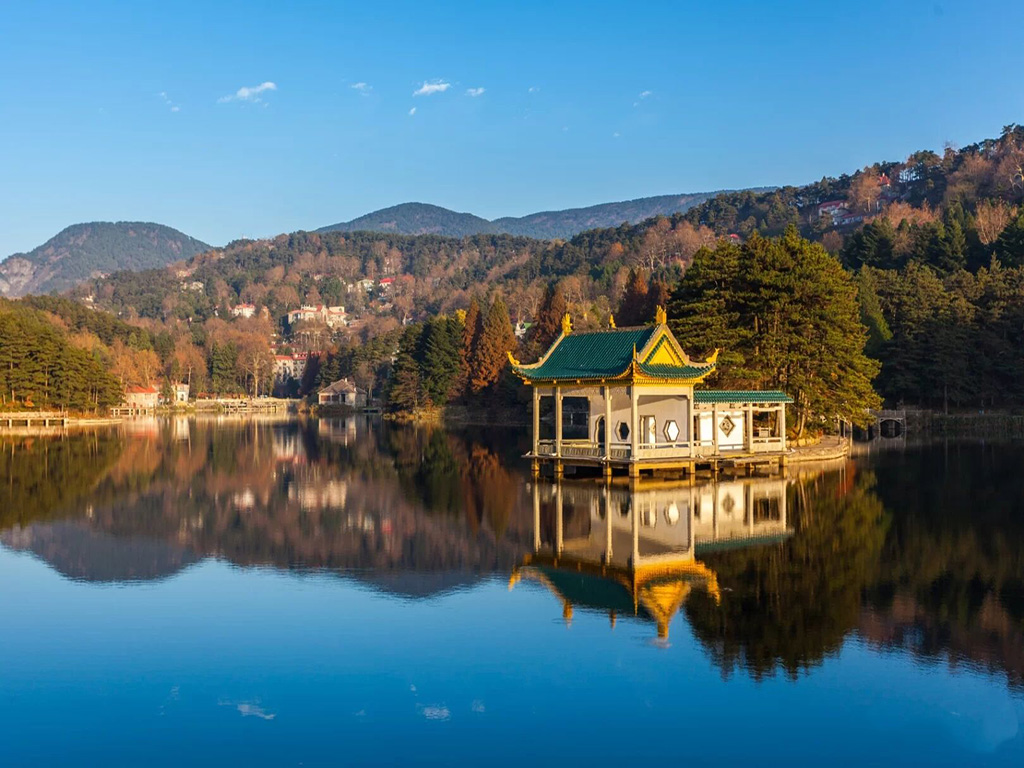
x=491, y=348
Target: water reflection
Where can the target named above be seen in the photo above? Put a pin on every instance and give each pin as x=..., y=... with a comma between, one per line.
x=920, y=552
x=634, y=549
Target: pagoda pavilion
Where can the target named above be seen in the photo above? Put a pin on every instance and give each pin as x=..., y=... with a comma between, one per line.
x=631, y=398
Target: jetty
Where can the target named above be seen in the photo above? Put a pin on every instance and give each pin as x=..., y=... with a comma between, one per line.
x=34, y=419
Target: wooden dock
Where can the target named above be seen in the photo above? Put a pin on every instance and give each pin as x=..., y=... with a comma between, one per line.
x=33, y=419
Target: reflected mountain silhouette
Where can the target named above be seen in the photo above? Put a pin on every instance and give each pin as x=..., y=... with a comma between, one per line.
x=919, y=552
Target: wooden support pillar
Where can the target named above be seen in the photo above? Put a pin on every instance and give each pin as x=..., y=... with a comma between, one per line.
x=558, y=421
x=714, y=511
x=782, y=424
x=714, y=429
x=748, y=427
x=634, y=559
x=608, y=525
x=608, y=427
x=536, y=517
x=536, y=422
x=634, y=426
x=748, y=502
x=558, y=520
x=782, y=509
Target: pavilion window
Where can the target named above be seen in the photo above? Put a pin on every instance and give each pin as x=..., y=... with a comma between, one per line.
x=547, y=417
x=575, y=418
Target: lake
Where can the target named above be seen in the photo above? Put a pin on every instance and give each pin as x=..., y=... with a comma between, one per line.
x=344, y=592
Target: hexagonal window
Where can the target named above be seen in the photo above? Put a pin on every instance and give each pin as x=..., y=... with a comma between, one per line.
x=622, y=431
x=671, y=430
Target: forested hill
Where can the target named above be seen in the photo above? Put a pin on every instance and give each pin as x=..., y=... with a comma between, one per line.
x=424, y=219
x=85, y=251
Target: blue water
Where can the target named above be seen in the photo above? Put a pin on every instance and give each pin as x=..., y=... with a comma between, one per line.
x=216, y=663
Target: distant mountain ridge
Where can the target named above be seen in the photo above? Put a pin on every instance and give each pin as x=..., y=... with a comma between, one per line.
x=83, y=251
x=426, y=219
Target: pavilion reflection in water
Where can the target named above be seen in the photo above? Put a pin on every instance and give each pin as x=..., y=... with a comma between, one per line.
x=635, y=550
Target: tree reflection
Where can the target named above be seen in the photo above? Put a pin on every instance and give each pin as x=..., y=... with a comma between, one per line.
x=788, y=606
x=44, y=476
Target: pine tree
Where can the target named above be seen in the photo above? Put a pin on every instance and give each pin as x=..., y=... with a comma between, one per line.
x=658, y=295
x=490, y=353
x=406, y=390
x=470, y=331
x=548, y=323
x=786, y=316
x=441, y=358
x=633, y=307
x=1010, y=244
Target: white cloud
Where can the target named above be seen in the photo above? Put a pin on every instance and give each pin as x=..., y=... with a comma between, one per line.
x=474, y=92
x=411, y=113
x=249, y=92
x=645, y=94
x=616, y=135
x=167, y=101
x=432, y=87
x=363, y=88
x=533, y=89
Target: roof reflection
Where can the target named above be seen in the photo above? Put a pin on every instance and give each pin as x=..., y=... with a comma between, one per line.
x=634, y=549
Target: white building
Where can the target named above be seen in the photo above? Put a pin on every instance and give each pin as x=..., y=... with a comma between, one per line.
x=342, y=392
x=332, y=317
x=243, y=310
x=289, y=367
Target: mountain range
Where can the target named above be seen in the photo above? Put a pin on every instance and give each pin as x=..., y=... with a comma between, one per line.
x=425, y=219
x=83, y=251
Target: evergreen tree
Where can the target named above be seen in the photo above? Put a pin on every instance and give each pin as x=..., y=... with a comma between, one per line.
x=793, y=318
x=471, y=324
x=1010, y=244
x=490, y=352
x=442, y=358
x=548, y=323
x=406, y=390
x=633, y=309
x=658, y=295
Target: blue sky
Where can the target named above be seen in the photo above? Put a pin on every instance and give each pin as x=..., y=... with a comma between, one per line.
x=139, y=111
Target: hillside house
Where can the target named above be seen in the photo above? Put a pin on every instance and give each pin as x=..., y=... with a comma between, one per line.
x=142, y=398
x=342, y=392
x=244, y=310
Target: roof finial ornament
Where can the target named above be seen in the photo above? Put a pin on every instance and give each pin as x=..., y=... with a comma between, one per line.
x=611, y=321
x=713, y=358
x=660, y=317
x=566, y=324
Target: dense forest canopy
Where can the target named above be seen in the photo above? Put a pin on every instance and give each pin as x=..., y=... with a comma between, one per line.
x=932, y=249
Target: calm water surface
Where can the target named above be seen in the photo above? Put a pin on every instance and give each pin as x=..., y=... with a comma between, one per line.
x=337, y=593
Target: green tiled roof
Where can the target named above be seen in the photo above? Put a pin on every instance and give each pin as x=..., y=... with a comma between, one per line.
x=740, y=396
x=675, y=372
x=591, y=355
